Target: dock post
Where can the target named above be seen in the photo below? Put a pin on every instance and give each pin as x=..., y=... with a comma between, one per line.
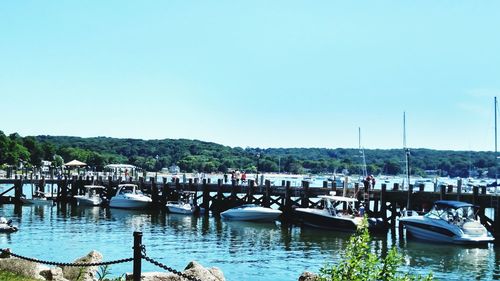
x=334, y=188
x=475, y=193
x=154, y=190
x=383, y=202
x=357, y=195
x=409, y=205
x=443, y=192
x=304, y=202
x=18, y=190
x=394, y=210
x=459, y=188
x=250, y=191
x=421, y=187
x=288, y=198
x=233, y=197
x=325, y=184
x=109, y=190
x=164, y=191
x=266, y=202
x=206, y=196
x=137, y=255
x=64, y=190
x=220, y=196
x=395, y=186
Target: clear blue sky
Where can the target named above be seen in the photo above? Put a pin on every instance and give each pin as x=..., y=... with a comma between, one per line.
x=253, y=73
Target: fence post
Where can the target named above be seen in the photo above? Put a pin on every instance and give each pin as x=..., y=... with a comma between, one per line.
x=137, y=255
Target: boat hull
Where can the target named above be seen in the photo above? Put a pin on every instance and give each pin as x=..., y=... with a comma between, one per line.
x=37, y=201
x=256, y=214
x=85, y=201
x=128, y=203
x=180, y=209
x=439, y=234
x=321, y=219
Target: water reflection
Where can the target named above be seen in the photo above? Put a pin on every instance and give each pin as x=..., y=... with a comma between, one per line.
x=455, y=260
x=243, y=250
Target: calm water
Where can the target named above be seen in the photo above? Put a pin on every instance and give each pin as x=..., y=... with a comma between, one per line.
x=244, y=251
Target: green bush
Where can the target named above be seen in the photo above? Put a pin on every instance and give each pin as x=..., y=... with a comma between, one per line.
x=360, y=264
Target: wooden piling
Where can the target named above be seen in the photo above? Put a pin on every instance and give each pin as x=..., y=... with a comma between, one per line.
x=304, y=202
x=383, y=203
x=266, y=201
x=154, y=190
x=475, y=194
x=18, y=190
x=442, y=194
x=206, y=196
x=165, y=191
x=250, y=191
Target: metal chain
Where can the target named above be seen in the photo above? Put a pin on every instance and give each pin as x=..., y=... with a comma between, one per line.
x=167, y=268
x=67, y=264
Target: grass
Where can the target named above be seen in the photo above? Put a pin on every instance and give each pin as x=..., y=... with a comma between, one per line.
x=5, y=275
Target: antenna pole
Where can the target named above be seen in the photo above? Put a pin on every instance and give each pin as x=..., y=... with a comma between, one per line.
x=496, y=150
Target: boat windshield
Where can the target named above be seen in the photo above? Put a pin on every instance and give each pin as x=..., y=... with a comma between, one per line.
x=452, y=214
x=129, y=190
x=246, y=206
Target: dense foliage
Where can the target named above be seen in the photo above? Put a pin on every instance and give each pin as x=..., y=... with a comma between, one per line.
x=359, y=263
x=194, y=155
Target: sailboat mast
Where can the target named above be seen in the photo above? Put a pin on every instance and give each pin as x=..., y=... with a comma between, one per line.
x=407, y=151
x=496, y=151
x=362, y=151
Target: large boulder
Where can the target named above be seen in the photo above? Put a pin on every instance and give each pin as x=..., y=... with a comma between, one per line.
x=193, y=269
x=54, y=274
x=308, y=276
x=83, y=273
x=198, y=271
x=22, y=267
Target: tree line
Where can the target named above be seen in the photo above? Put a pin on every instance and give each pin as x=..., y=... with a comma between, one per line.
x=200, y=156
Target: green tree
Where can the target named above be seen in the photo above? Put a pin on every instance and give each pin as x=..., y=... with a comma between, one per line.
x=360, y=264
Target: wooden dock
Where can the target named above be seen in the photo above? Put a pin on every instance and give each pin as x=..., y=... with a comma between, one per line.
x=386, y=203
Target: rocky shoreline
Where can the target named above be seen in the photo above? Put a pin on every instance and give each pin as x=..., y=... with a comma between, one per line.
x=66, y=273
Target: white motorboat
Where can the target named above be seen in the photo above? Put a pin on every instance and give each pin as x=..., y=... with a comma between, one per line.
x=38, y=198
x=329, y=217
x=185, y=205
x=91, y=196
x=180, y=207
x=449, y=222
x=128, y=196
x=251, y=212
x=6, y=226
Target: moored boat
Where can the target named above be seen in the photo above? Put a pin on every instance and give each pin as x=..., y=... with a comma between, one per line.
x=448, y=222
x=91, y=196
x=38, y=198
x=6, y=226
x=329, y=217
x=251, y=212
x=128, y=196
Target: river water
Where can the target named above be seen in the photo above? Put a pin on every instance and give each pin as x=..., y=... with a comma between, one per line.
x=242, y=250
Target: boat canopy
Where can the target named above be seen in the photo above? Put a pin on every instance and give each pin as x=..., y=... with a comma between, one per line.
x=338, y=198
x=452, y=204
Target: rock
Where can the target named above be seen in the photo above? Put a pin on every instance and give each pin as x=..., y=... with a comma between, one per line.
x=83, y=273
x=308, y=276
x=21, y=267
x=156, y=276
x=54, y=274
x=198, y=271
x=193, y=269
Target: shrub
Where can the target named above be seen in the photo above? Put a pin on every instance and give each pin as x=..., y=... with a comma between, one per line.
x=360, y=264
